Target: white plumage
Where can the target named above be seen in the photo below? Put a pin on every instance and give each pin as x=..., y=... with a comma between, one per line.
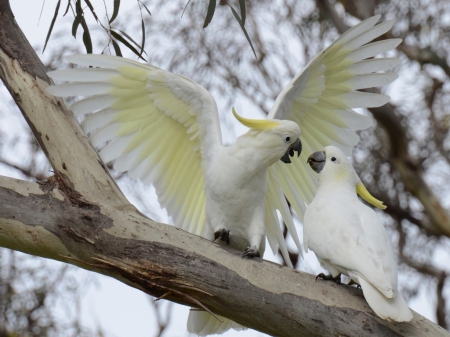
x=348, y=238
x=164, y=129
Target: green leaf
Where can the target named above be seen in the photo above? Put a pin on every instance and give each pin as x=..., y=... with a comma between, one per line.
x=129, y=38
x=87, y=41
x=86, y=36
x=76, y=23
x=148, y=11
x=117, y=48
x=67, y=8
x=143, y=36
x=210, y=13
x=52, y=24
x=126, y=43
x=236, y=15
x=88, y=3
x=115, y=10
x=243, y=12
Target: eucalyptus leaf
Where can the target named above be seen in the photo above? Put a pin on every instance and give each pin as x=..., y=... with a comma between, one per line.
x=52, y=24
x=210, y=12
x=86, y=36
x=143, y=36
x=88, y=3
x=236, y=15
x=243, y=11
x=143, y=4
x=115, y=10
x=119, y=38
x=116, y=48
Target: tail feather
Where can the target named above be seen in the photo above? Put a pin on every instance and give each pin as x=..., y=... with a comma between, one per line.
x=203, y=323
x=391, y=309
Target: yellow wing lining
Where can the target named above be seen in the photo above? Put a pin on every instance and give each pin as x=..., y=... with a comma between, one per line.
x=155, y=125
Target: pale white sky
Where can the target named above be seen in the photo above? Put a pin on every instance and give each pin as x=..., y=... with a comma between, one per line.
x=121, y=310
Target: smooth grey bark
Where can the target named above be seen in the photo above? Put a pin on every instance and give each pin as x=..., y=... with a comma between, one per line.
x=79, y=216
x=167, y=262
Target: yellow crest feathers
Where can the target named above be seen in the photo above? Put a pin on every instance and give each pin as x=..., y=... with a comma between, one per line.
x=256, y=124
x=364, y=193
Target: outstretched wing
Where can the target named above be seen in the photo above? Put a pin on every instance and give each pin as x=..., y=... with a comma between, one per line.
x=320, y=100
x=160, y=127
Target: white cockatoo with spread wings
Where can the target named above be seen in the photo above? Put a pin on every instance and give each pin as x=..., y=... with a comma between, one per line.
x=164, y=129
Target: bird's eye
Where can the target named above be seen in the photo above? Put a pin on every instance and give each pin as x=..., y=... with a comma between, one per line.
x=333, y=158
x=287, y=139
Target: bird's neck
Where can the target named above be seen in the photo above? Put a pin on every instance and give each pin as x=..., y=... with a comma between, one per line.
x=338, y=184
x=256, y=154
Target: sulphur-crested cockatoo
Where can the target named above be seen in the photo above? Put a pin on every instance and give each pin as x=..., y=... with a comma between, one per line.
x=164, y=129
x=347, y=236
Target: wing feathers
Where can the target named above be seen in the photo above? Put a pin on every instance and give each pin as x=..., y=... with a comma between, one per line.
x=91, y=104
x=371, y=80
x=83, y=75
x=357, y=30
x=80, y=89
x=369, y=35
x=373, y=65
x=372, y=49
x=151, y=124
x=273, y=229
x=106, y=61
x=356, y=99
x=342, y=118
x=95, y=121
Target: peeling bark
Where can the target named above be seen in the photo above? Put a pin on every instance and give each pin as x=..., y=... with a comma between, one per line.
x=165, y=261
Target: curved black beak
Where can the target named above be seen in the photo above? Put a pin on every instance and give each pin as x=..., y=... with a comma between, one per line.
x=317, y=161
x=295, y=146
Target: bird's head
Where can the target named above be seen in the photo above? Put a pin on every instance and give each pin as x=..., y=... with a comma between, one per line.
x=333, y=165
x=279, y=138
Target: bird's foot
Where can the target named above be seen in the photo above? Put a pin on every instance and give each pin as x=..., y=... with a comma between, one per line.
x=223, y=234
x=251, y=252
x=336, y=279
x=358, y=286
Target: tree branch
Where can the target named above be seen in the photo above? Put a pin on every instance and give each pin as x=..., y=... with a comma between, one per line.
x=162, y=260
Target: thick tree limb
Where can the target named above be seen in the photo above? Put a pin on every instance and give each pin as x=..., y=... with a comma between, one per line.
x=80, y=217
x=167, y=262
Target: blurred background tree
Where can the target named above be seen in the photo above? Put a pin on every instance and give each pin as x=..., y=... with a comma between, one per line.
x=404, y=159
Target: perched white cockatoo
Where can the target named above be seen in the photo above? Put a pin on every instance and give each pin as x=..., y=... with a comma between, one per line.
x=347, y=236
x=164, y=129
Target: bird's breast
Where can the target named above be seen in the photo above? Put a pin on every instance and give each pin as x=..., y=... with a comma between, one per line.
x=233, y=195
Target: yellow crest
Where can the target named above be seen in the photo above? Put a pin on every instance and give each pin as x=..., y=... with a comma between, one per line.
x=256, y=124
x=364, y=193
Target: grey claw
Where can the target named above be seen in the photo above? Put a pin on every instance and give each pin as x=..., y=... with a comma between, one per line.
x=251, y=252
x=324, y=277
x=223, y=234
